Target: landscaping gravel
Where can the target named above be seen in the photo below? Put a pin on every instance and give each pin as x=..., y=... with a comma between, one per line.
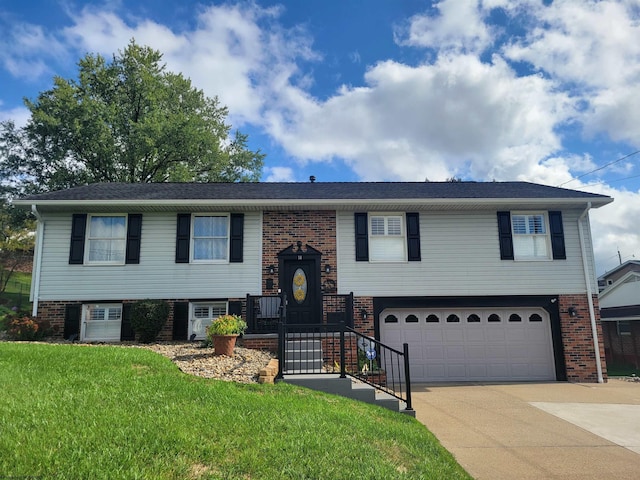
x=243, y=367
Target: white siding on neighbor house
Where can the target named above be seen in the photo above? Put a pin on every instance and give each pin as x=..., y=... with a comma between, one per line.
x=461, y=256
x=625, y=294
x=157, y=275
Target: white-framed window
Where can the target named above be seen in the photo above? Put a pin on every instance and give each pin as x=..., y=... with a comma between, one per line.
x=101, y=322
x=387, y=242
x=530, y=236
x=202, y=314
x=210, y=238
x=106, y=239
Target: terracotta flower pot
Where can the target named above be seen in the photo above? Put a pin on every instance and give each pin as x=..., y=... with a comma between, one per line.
x=224, y=344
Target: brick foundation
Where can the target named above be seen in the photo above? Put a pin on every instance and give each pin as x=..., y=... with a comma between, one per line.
x=577, y=339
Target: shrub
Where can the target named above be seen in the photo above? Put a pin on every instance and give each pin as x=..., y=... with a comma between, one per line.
x=147, y=319
x=24, y=327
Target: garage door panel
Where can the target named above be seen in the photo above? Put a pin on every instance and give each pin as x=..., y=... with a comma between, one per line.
x=474, y=334
x=454, y=335
x=455, y=352
x=476, y=371
x=432, y=353
x=456, y=371
x=480, y=344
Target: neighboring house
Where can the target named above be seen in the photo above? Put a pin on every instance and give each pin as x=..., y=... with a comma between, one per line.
x=620, y=312
x=484, y=281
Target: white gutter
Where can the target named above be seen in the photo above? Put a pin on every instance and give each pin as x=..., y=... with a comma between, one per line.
x=37, y=260
x=592, y=314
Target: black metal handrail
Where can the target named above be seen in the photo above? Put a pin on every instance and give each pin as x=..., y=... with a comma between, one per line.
x=336, y=348
x=263, y=312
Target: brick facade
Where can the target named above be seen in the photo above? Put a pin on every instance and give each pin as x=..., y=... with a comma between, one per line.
x=282, y=229
x=577, y=338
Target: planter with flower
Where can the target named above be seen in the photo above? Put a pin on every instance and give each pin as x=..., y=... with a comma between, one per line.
x=223, y=333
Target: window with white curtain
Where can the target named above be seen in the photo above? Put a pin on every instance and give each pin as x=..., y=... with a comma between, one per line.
x=387, y=242
x=530, y=236
x=210, y=238
x=106, y=239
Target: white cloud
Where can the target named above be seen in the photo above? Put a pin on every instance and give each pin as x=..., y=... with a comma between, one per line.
x=458, y=25
x=238, y=53
x=456, y=116
x=594, y=47
x=279, y=174
x=19, y=115
x=26, y=48
x=614, y=228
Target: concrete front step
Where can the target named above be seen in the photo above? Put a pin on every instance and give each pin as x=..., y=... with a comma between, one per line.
x=346, y=387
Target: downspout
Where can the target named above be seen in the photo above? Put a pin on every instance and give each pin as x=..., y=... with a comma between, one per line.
x=592, y=314
x=37, y=260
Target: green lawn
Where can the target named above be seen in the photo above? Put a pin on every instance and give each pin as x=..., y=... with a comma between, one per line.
x=73, y=411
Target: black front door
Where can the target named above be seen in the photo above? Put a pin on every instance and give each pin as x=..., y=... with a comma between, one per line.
x=301, y=284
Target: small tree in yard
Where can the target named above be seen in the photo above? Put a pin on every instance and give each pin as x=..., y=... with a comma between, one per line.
x=147, y=319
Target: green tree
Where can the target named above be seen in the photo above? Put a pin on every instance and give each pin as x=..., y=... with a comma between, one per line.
x=128, y=120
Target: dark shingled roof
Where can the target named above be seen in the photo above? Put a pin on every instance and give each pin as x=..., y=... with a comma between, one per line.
x=313, y=191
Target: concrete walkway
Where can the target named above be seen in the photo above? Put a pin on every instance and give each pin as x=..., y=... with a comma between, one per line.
x=537, y=430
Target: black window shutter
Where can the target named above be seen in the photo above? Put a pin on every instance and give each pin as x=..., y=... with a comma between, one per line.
x=72, y=316
x=235, y=308
x=362, y=237
x=413, y=237
x=126, y=330
x=180, y=320
x=78, y=228
x=134, y=235
x=504, y=234
x=237, y=237
x=557, y=236
x=183, y=231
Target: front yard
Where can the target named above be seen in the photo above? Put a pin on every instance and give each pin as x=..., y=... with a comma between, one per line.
x=73, y=411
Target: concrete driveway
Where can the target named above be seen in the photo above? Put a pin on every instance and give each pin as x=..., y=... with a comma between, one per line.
x=537, y=430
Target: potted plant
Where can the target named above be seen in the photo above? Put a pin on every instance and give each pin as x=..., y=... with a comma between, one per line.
x=223, y=333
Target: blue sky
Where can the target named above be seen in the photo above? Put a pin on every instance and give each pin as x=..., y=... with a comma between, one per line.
x=530, y=90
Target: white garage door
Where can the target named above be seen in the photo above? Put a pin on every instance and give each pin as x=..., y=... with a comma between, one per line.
x=495, y=344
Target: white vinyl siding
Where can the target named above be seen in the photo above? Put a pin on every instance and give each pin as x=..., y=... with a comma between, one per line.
x=157, y=276
x=387, y=242
x=530, y=236
x=101, y=322
x=460, y=255
x=210, y=238
x=106, y=239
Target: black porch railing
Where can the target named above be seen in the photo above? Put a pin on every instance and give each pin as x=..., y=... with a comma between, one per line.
x=336, y=348
x=264, y=312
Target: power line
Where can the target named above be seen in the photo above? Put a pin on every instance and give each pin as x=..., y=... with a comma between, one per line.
x=600, y=168
x=609, y=181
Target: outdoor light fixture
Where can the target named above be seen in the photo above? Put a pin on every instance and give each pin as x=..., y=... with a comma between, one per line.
x=363, y=312
x=572, y=311
x=271, y=269
x=327, y=268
